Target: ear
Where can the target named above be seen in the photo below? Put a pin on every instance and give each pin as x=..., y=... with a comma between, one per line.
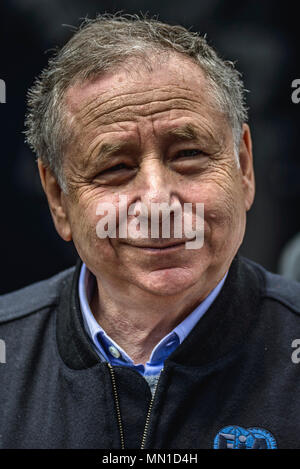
x=246, y=166
x=56, y=201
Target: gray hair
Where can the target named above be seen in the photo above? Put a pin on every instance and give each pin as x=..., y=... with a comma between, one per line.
x=104, y=43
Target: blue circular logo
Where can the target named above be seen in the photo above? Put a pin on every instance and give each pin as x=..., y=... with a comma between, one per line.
x=234, y=437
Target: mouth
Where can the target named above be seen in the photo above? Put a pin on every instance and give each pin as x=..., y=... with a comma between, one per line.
x=160, y=247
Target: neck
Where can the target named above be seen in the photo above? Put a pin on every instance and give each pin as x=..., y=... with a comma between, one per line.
x=137, y=326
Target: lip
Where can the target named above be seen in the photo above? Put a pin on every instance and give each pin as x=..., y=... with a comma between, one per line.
x=160, y=248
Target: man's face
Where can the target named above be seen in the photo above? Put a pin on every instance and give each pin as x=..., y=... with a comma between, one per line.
x=154, y=137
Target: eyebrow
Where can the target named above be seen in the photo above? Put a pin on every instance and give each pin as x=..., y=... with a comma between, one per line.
x=186, y=132
x=104, y=152
x=108, y=149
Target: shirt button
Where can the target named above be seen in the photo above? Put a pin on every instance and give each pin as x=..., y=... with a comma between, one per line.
x=171, y=342
x=115, y=352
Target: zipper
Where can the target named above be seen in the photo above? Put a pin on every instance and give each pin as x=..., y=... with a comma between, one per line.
x=116, y=397
x=119, y=418
x=146, y=428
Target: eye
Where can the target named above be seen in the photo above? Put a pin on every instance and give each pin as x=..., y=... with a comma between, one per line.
x=115, y=175
x=115, y=168
x=189, y=161
x=189, y=153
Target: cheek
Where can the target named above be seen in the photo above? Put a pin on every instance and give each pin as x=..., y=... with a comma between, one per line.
x=83, y=220
x=224, y=215
x=222, y=203
x=91, y=207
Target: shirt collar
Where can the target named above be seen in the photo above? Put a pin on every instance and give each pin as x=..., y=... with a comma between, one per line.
x=103, y=343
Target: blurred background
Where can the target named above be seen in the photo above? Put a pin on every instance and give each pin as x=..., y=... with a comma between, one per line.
x=262, y=37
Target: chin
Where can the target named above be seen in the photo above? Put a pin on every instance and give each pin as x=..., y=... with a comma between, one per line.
x=167, y=282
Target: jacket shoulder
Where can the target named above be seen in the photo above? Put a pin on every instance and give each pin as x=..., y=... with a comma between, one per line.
x=34, y=297
x=278, y=288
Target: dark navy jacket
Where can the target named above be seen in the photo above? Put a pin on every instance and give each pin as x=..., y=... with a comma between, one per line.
x=234, y=371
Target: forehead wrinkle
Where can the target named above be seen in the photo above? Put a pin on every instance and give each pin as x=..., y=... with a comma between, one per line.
x=133, y=112
x=96, y=102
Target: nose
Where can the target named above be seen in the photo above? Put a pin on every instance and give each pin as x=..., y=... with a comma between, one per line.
x=156, y=184
x=157, y=199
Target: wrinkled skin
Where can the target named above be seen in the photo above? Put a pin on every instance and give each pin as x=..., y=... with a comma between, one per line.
x=142, y=295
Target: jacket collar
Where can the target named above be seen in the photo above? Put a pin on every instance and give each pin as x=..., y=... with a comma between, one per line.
x=230, y=319
x=73, y=342
x=223, y=327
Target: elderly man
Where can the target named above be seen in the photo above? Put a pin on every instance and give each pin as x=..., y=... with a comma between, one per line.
x=147, y=343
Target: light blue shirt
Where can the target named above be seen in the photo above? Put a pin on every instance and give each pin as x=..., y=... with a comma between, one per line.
x=110, y=351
